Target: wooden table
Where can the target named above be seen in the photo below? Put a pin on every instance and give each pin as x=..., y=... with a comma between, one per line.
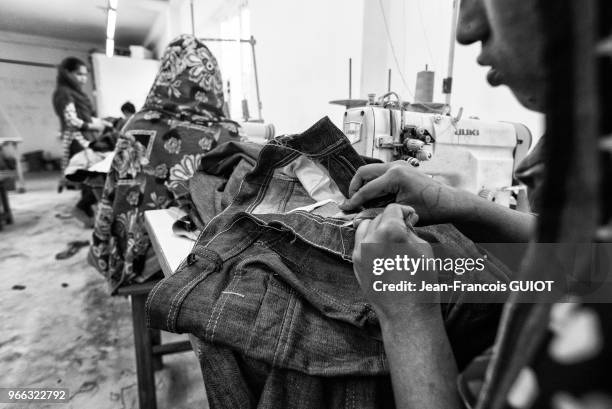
x=170, y=250
x=14, y=142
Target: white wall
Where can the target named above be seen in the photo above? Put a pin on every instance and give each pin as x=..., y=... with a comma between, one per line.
x=419, y=31
x=176, y=20
x=303, y=48
x=25, y=91
x=120, y=79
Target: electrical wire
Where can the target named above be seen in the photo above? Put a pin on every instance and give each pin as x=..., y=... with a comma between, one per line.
x=399, y=70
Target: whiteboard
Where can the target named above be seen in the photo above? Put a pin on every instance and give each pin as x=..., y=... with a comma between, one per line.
x=26, y=109
x=120, y=79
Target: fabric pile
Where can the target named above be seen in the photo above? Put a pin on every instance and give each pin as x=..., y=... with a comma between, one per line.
x=269, y=289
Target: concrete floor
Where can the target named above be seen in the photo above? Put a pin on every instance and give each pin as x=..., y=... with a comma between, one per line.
x=62, y=329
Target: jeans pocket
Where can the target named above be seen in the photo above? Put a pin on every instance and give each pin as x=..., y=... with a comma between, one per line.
x=167, y=305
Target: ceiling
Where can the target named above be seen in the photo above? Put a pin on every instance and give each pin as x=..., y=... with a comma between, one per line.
x=82, y=20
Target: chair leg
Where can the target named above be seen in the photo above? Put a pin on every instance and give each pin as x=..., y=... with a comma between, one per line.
x=158, y=363
x=7, y=214
x=144, y=354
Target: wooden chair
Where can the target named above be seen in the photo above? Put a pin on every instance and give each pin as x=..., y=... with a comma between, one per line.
x=147, y=343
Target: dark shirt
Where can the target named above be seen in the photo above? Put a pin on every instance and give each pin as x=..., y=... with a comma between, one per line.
x=571, y=368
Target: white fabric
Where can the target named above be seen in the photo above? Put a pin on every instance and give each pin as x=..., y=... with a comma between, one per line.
x=84, y=160
x=315, y=179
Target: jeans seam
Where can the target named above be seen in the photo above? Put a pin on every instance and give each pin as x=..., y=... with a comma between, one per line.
x=287, y=196
x=328, y=151
x=266, y=182
x=343, y=307
x=347, y=163
x=280, y=335
x=259, y=307
x=241, y=246
x=264, y=224
x=342, y=240
x=212, y=314
x=291, y=321
x=225, y=230
x=150, y=300
x=322, y=219
x=156, y=289
x=313, y=217
x=218, y=215
x=175, y=304
x=170, y=324
x=192, y=284
x=261, y=192
x=227, y=297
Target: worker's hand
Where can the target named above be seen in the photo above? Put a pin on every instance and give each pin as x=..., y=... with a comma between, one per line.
x=98, y=124
x=433, y=201
x=393, y=226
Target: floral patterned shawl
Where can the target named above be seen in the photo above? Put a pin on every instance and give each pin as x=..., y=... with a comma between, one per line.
x=159, y=150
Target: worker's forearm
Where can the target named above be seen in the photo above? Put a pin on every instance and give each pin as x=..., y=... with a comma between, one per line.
x=422, y=365
x=487, y=222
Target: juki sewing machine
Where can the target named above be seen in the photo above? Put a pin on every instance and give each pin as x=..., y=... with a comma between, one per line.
x=470, y=154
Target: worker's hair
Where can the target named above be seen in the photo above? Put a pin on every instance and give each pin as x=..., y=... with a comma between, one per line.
x=128, y=107
x=71, y=64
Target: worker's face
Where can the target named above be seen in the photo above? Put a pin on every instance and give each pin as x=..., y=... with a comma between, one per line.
x=81, y=75
x=512, y=45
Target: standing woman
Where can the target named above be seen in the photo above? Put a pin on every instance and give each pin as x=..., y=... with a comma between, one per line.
x=79, y=125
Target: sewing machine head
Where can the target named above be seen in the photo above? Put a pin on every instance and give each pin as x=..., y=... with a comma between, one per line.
x=470, y=154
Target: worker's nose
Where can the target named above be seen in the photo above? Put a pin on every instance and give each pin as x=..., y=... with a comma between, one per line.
x=473, y=25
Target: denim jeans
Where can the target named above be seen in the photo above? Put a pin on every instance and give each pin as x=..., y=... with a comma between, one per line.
x=279, y=288
x=253, y=383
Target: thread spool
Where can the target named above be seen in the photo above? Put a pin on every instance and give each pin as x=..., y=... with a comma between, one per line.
x=423, y=155
x=413, y=161
x=424, y=86
x=257, y=131
x=413, y=144
x=487, y=194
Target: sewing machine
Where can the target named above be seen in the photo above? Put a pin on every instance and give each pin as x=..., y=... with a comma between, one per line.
x=470, y=154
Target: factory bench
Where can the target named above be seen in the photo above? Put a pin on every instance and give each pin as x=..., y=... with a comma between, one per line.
x=147, y=343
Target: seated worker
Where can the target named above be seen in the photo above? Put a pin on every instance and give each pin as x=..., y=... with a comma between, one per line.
x=413, y=333
x=158, y=151
x=127, y=110
x=79, y=124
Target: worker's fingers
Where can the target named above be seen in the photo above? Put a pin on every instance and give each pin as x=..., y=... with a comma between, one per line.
x=365, y=174
x=371, y=190
x=366, y=231
x=392, y=227
x=407, y=213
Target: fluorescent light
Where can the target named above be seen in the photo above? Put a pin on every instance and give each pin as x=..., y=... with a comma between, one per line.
x=110, y=24
x=110, y=47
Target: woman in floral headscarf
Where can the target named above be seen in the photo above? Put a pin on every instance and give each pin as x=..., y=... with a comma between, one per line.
x=158, y=152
